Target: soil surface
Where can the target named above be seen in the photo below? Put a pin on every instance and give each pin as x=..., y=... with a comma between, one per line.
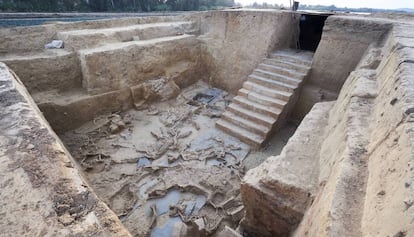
x=272, y=148
x=165, y=166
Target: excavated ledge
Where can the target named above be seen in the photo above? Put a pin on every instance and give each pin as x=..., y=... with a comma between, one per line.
x=277, y=193
x=119, y=65
x=56, y=69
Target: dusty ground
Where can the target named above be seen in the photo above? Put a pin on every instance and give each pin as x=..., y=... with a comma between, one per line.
x=272, y=148
x=167, y=164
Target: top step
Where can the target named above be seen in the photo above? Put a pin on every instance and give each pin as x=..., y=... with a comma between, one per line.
x=88, y=38
x=288, y=65
x=294, y=56
x=306, y=55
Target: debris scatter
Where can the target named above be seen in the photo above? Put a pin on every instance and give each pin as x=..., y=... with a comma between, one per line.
x=165, y=170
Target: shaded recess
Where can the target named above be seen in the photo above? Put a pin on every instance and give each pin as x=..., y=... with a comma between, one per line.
x=311, y=27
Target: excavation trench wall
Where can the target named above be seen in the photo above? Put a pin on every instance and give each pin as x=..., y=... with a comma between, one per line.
x=41, y=69
x=344, y=42
x=360, y=180
x=368, y=177
x=109, y=68
x=42, y=190
x=224, y=34
x=237, y=41
x=75, y=83
x=16, y=39
x=390, y=151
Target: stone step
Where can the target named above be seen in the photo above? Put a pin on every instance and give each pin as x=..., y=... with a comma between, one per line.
x=277, y=77
x=245, y=123
x=87, y=38
x=307, y=55
x=274, y=93
x=289, y=65
x=271, y=83
x=242, y=134
x=282, y=71
x=248, y=104
x=251, y=115
x=262, y=99
x=291, y=59
x=255, y=111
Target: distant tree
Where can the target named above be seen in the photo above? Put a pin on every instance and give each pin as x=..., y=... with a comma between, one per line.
x=98, y=5
x=264, y=5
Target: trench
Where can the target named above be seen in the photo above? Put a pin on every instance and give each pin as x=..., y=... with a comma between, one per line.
x=163, y=167
x=167, y=165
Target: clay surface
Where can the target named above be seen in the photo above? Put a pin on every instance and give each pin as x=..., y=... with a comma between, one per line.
x=165, y=165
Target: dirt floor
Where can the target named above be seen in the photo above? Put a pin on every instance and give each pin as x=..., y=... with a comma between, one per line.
x=167, y=164
x=272, y=148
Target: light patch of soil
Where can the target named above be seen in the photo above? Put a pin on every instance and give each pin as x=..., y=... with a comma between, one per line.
x=272, y=148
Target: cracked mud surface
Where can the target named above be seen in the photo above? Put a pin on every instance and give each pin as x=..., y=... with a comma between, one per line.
x=165, y=169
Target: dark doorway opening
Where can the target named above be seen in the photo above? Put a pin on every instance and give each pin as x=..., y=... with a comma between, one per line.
x=311, y=27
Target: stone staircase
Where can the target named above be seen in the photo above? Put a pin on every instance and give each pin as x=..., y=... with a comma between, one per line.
x=266, y=97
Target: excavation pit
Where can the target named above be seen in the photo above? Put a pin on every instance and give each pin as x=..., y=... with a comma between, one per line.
x=139, y=158
x=169, y=155
x=222, y=123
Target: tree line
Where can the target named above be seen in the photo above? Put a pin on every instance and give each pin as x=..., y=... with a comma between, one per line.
x=111, y=5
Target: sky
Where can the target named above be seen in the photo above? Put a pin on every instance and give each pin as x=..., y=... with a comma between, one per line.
x=385, y=4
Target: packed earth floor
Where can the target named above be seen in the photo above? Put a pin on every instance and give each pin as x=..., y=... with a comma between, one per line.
x=166, y=164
